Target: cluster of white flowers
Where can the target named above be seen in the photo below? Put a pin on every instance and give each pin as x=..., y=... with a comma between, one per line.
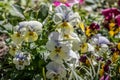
x=61, y=42
x=26, y=31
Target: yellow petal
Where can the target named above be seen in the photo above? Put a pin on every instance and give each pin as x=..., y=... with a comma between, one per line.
x=111, y=33
x=88, y=31
x=101, y=72
x=82, y=26
x=67, y=27
x=30, y=36
x=111, y=25
x=84, y=48
x=118, y=46
x=17, y=38
x=115, y=56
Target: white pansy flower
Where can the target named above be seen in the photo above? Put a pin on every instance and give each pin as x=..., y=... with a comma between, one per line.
x=59, y=50
x=99, y=39
x=65, y=19
x=55, y=71
x=63, y=13
x=36, y=26
x=21, y=60
x=58, y=42
x=30, y=30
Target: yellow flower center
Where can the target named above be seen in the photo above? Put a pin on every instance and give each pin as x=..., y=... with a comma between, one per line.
x=20, y=62
x=66, y=36
x=31, y=33
x=18, y=34
x=65, y=24
x=58, y=49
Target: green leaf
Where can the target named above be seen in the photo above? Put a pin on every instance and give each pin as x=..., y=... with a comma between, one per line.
x=43, y=11
x=15, y=12
x=90, y=1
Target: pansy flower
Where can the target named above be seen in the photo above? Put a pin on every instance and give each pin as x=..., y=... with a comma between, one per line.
x=65, y=19
x=105, y=68
x=111, y=21
x=60, y=49
x=21, y=60
x=115, y=53
x=92, y=29
x=84, y=60
x=101, y=43
x=13, y=49
x=55, y=71
x=32, y=30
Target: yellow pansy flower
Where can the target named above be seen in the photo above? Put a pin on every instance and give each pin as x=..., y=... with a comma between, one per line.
x=17, y=38
x=13, y=49
x=30, y=36
x=115, y=56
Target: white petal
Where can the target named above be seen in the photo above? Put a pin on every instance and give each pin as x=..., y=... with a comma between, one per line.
x=55, y=36
x=23, y=24
x=57, y=68
x=57, y=18
x=90, y=48
x=35, y=25
x=20, y=67
x=50, y=45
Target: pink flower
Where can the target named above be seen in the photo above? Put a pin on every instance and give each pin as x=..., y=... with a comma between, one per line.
x=81, y=1
x=67, y=3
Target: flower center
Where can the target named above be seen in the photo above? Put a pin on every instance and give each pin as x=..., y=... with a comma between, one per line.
x=65, y=24
x=31, y=33
x=58, y=49
x=18, y=34
x=20, y=62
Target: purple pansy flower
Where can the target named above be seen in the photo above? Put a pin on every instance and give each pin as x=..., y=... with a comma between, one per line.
x=94, y=26
x=117, y=20
x=110, y=13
